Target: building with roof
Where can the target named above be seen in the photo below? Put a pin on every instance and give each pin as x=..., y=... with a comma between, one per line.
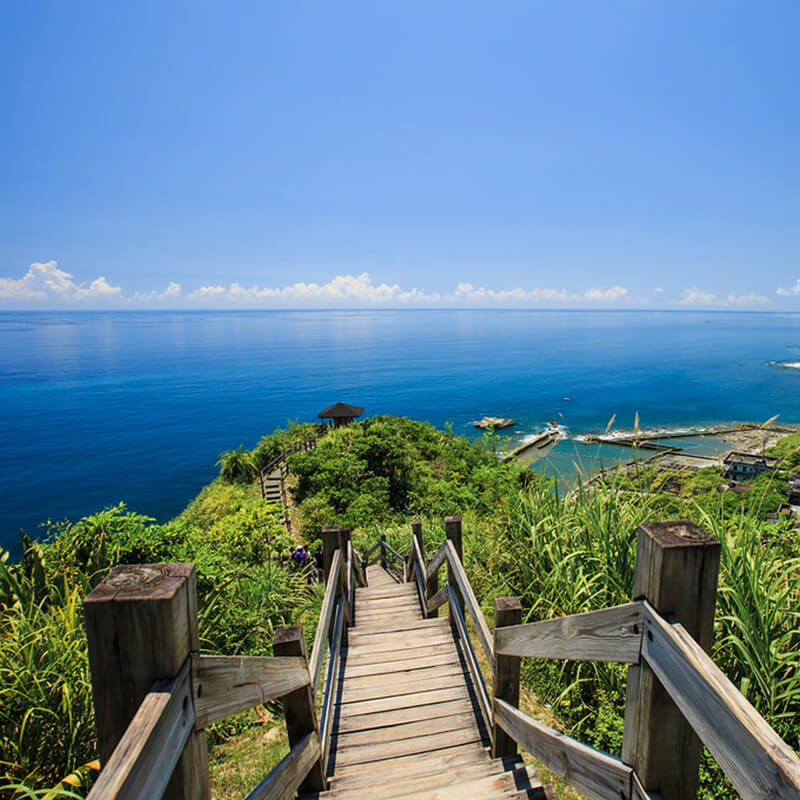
x=340, y=413
x=744, y=466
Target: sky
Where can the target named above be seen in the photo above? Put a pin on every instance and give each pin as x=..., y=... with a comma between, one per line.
x=598, y=154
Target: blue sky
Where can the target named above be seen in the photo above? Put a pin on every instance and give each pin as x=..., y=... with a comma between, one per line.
x=571, y=154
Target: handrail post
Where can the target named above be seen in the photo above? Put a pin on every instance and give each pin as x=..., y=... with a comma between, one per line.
x=141, y=626
x=298, y=706
x=416, y=533
x=505, y=683
x=677, y=564
x=330, y=541
x=452, y=531
x=383, y=551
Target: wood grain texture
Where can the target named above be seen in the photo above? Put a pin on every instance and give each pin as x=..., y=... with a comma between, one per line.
x=438, y=599
x=284, y=780
x=350, y=723
x=598, y=775
x=419, y=576
x=676, y=572
x=436, y=562
x=143, y=761
x=505, y=682
x=325, y=616
x=755, y=759
x=471, y=602
x=130, y=610
x=225, y=685
x=609, y=634
x=298, y=706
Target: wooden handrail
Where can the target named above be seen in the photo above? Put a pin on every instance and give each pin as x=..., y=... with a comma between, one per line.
x=755, y=759
x=226, y=685
x=331, y=681
x=324, y=624
x=392, y=552
x=598, y=775
x=610, y=634
x=471, y=602
x=472, y=661
x=283, y=781
x=142, y=763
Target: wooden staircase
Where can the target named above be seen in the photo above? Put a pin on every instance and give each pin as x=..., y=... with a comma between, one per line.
x=405, y=721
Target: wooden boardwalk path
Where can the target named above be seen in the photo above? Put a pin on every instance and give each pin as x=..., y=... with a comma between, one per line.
x=405, y=710
x=405, y=719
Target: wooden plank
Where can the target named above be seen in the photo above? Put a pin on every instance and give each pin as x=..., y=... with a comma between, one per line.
x=419, y=575
x=472, y=662
x=411, y=625
x=755, y=759
x=437, y=560
x=422, y=674
x=225, y=685
x=518, y=783
x=481, y=628
x=324, y=624
x=134, y=606
x=407, y=784
x=506, y=678
x=385, y=602
x=396, y=689
x=397, y=643
x=422, y=661
x=610, y=634
x=359, y=657
x=391, y=551
x=389, y=613
x=299, y=709
x=638, y=792
x=676, y=572
x=284, y=780
x=438, y=599
x=143, y=761
x=598, y=775
x=398, y=716
x=410, y=700
x=331, y=683
x=439, y=763
x=408, y=730
x=420, y=744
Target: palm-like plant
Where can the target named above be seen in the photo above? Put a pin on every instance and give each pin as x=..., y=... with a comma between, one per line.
x=237, y=466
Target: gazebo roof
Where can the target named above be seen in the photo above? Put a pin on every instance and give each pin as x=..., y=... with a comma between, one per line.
x=341, y=411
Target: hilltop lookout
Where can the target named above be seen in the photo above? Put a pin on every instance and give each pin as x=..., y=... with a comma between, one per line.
x=341, y=413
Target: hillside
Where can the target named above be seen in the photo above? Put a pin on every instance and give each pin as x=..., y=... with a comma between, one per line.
x=558, y=555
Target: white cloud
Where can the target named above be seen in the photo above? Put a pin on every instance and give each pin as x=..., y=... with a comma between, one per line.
x=466, y=291
x=695, y=296
x=172, y=292
x=45, y=282
x=792, y=290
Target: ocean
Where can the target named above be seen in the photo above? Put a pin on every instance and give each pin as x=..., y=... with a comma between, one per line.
x=100, y=408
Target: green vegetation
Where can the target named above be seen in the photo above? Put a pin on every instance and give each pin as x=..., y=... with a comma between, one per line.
x=560, y=555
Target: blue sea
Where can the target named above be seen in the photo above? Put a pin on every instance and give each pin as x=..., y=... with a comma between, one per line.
x=100, y=408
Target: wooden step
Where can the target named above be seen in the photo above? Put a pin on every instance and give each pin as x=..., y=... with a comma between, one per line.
x=364, y=655
x=351, y=722
x=398, y=643
x=402, y=665
x=391, y=702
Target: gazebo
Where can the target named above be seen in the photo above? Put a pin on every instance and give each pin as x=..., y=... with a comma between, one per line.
x=341, y=413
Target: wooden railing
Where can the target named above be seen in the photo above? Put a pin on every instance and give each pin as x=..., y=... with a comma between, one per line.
x=281, y=460
x=142, y=623
x=154, y=694
x=675, y=691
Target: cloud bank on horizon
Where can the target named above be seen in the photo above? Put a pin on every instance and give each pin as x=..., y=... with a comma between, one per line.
x=45, y=285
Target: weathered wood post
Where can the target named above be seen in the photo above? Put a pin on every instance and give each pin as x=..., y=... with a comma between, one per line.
x=383, y=550
x=298, y=706
x=677, y=564
x=507, y=611
x=330, y=541
x=141, y=626
x=452, y=531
